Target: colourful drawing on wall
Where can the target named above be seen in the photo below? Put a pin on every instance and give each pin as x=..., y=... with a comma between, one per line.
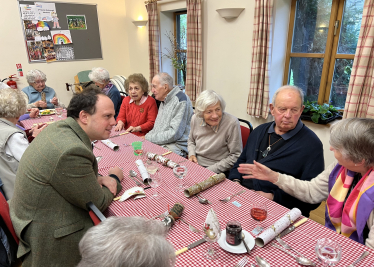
x=76, y=22
x=61, y=37
x=42, y=26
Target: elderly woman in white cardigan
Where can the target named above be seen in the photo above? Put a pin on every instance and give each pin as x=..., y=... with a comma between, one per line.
x=215, y=139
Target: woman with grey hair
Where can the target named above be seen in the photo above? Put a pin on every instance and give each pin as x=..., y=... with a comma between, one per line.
x=126, y=242
x=13, y=141
x=40, y=96
x=215, y=139
x=347, y=184
x=101, y=78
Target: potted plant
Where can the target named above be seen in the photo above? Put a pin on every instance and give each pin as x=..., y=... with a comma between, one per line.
x=177, y=54
x=320, y=114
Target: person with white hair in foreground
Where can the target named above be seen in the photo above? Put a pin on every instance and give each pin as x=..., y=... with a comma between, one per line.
x=215, y=139
x=126, y=242
x=347, y=184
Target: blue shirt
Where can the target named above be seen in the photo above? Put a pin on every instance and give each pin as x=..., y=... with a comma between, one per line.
x=34, y=95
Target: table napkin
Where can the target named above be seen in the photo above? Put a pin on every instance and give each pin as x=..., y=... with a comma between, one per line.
x=211, y=226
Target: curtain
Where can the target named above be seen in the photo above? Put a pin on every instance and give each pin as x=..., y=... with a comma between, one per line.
x=360, y=95
x=153, y=38
x=194, y=49
x=258, y=98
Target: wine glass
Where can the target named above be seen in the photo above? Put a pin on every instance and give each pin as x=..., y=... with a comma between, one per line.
x=155, y=182
x=180, y=172
x=211, y=237
x=328, y=251
x=151, y=166
x=259, y=214
x=59, y=110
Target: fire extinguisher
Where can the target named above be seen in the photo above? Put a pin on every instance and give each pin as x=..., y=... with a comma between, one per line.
x=11, y=83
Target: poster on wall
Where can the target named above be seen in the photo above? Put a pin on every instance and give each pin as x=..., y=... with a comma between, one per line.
x=64, y=52
x=61, y=37
x=28, y=12
x=50, y=55
x=44, y=11
x=35, y=51
x=76, y=22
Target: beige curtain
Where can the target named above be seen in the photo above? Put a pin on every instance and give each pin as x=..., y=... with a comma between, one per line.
x=194, y=49
x=153, y=39
x=360, y=95
x=258, y=98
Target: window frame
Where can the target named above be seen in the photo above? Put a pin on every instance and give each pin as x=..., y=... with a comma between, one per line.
x=176, y=14
x=330, y=55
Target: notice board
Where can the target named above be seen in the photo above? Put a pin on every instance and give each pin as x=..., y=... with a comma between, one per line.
x=56, y=32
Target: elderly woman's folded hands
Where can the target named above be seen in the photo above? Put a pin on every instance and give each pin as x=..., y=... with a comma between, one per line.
x=258, y=171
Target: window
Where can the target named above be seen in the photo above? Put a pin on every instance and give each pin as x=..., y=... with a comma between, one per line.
x=180, y=33
x=321, y=45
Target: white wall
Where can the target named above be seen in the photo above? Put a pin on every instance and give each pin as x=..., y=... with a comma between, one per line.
x=114, y=43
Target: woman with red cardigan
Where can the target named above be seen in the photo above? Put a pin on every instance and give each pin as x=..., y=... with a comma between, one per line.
x=138, y=110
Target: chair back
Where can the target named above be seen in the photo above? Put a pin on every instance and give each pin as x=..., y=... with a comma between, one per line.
x=245, y=131
x=119, y=82
x=95, y=214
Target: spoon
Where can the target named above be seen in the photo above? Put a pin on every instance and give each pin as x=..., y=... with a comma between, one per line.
x=134, y=174
x=299, y=260
x=262, y=262
x=245, y=243
x=203, y=200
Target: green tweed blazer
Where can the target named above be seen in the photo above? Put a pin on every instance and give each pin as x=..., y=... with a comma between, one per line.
x=56, y=177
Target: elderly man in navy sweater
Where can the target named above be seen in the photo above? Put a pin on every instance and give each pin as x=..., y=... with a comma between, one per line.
x=285, y=145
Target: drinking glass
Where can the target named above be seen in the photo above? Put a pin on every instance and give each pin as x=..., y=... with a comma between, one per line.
x=137, y=146
x=328, y=251
x=180, y=172
x=151, y=166
x=59, y=110
x=259, y=214
x=155, y=182
x=211, y=237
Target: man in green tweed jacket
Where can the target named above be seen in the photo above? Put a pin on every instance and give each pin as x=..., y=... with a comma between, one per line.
x=57, y=176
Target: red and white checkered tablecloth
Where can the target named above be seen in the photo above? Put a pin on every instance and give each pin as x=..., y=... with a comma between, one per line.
x=29, y=123
x=302, y=239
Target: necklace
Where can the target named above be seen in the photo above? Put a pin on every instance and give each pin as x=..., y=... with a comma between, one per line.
x=266, y=152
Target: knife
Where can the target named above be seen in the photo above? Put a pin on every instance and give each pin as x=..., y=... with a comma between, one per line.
x=292, y=227
x=118, y=134
x=194, y=244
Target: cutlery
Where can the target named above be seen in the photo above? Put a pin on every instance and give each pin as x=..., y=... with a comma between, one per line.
x=135, y=176
x=136, y=181
x=98, y=158
x=253, y=265
x=203, y=200
x=229, y=198
x=242, y=262
x=194, y=244
x=261, y=262
x=286, y=246
x=363, y=255
x=299, y=260
x=96, y=147
x=166, y=153
x=118, y=134
x=182, y=161
x=245, y=243
x=292, y=227
x=192, y=228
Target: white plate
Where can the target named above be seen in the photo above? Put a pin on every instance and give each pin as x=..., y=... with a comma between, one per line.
x=239, y=249
x=53, y=111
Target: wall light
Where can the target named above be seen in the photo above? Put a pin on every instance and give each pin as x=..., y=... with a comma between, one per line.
x=140, y=23
x=229, y=13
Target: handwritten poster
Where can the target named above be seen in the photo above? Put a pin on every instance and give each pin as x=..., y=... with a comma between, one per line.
x=45, y=10
x=28, y=12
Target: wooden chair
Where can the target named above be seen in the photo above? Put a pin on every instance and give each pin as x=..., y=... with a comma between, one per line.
x=246, y=131
x=95, y=214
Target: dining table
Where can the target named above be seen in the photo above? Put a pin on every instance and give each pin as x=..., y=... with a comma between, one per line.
x=302, y=239
x=42, y=119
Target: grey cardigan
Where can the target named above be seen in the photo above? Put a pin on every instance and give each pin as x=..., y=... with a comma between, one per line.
x=172, y=125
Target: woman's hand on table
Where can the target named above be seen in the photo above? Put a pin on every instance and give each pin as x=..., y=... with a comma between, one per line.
x=258, y=171
x=54, y=101
x=34, y=112
x=132, y=129
x=40, y=104
x=119, y=126
x=193, y=159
